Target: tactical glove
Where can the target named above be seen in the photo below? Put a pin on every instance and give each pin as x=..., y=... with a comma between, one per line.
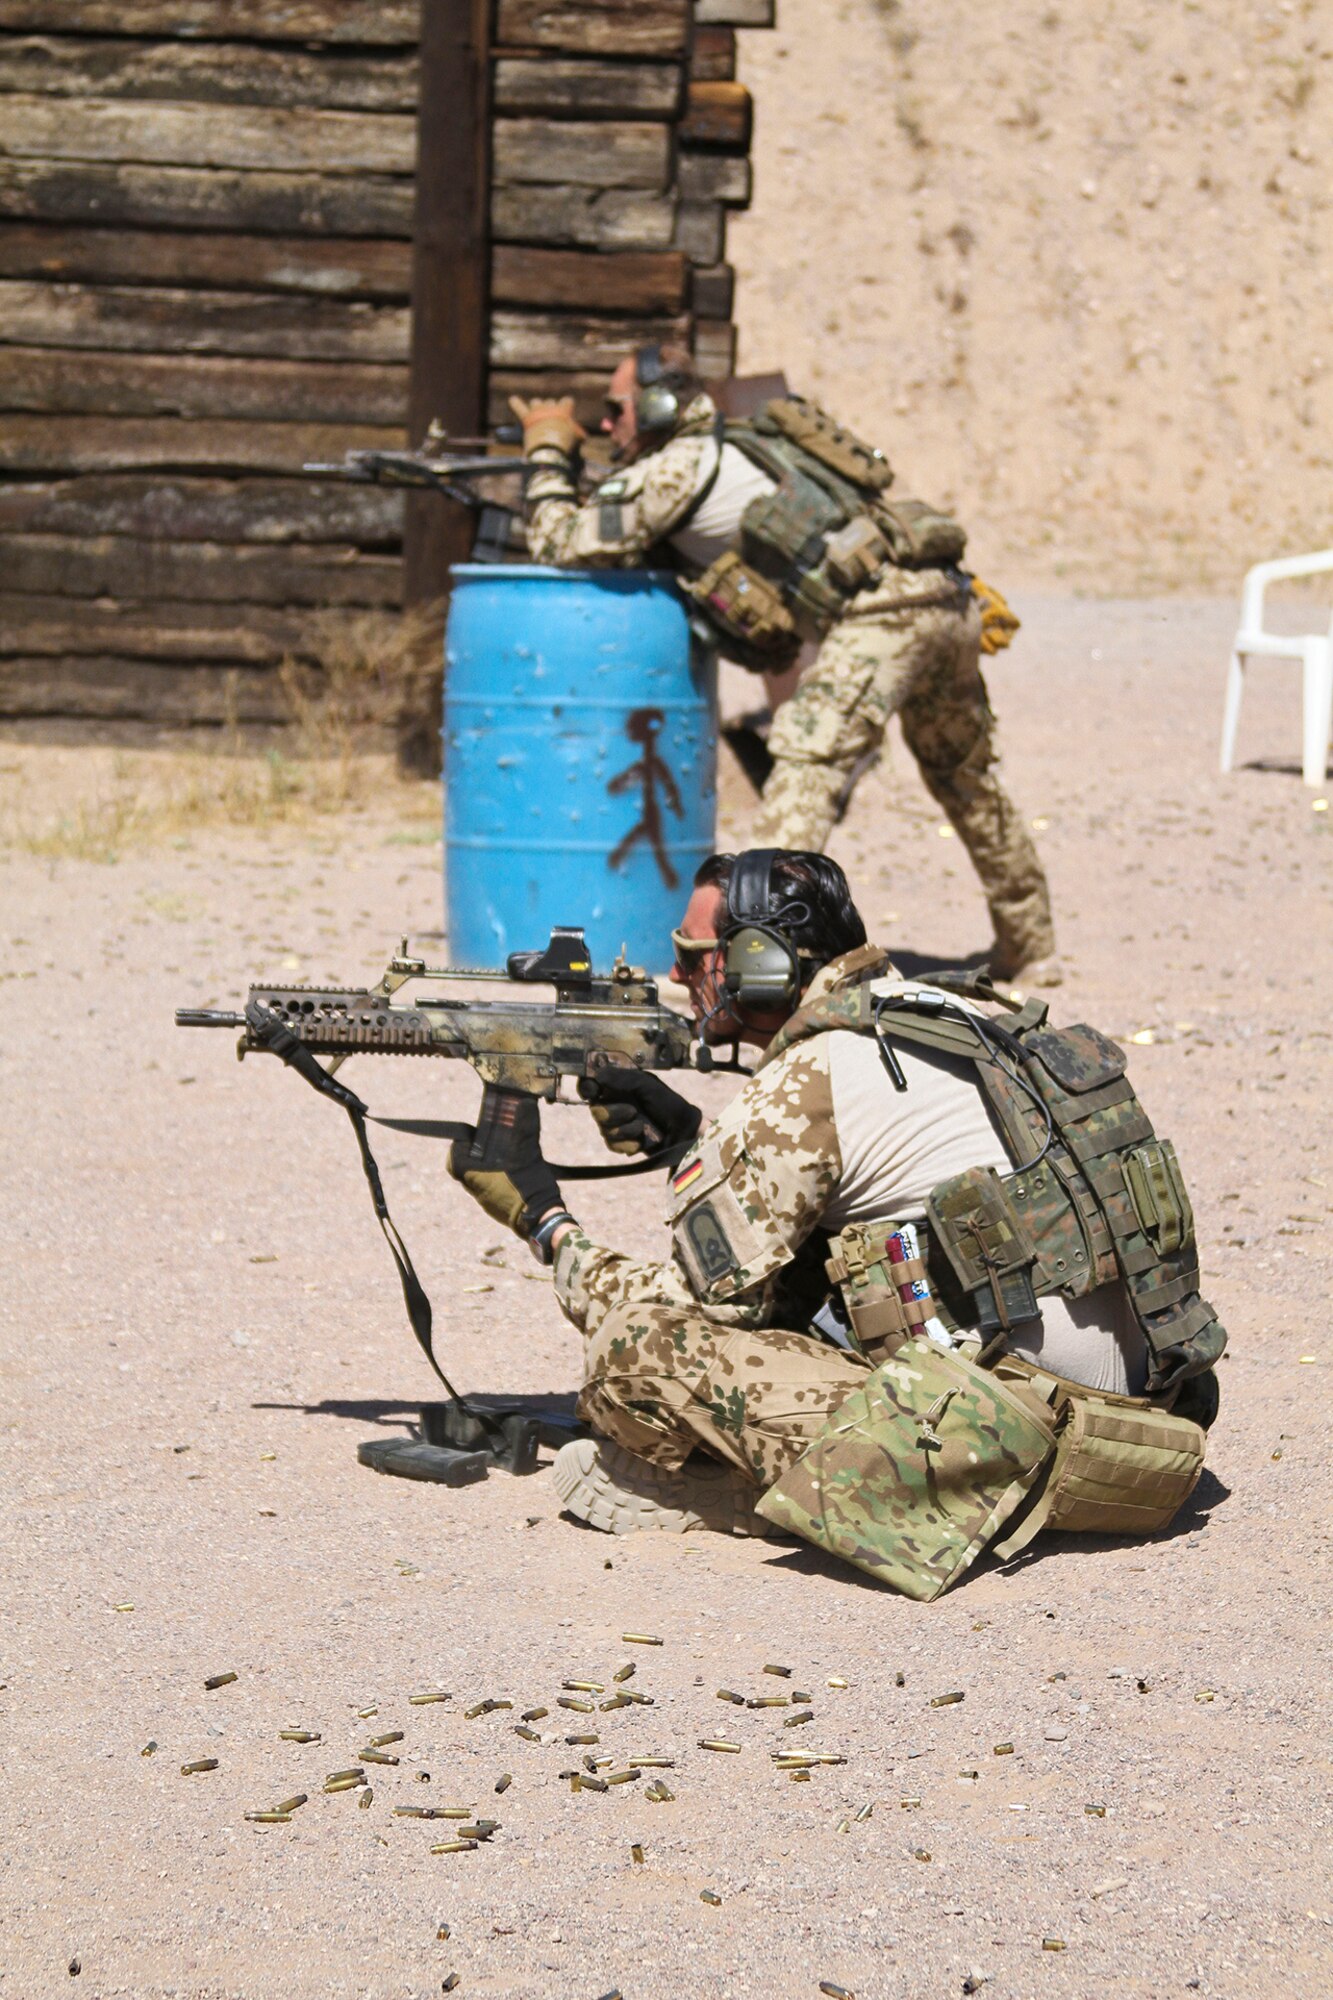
x=637, y=1113
x=548, y=423
x=998, y=621
x=503, y=1170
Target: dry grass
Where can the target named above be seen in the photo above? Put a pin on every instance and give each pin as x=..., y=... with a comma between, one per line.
x=341, y=704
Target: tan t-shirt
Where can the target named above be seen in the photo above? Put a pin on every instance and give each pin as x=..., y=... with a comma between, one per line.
x=897, y=1145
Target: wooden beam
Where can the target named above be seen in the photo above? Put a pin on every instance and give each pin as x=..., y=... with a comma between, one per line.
x=701, y=231
x=194, y=198
x=714, y=177
x=559, y=340
x=713, y=55
x=208, y=135
x=109, y=689
x=61, y=625
x=451, y=277
x=559, y=88
x=559, y=152
x=41, y=379
x=205, y=510
x=712, y=291
x=715, y=349
x=231, y=72
x=384, y=22
x=628, y=282
x=734, y=13
x=718, y=114
x=596, y=27
x=45, y=444
x=151, y=319
x=594, y=218
x=122, y=566
x=346, y=267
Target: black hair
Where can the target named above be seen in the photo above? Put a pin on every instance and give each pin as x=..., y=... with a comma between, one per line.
x=834, y=923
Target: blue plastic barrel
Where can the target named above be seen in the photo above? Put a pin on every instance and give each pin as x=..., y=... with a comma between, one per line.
x=580, y=760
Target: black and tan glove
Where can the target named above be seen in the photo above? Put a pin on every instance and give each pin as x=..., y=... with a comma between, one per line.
x=637, y=1113
x=502, y=1166
x=552, y=422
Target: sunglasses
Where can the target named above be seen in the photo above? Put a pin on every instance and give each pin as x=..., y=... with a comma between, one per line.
x=688, y=947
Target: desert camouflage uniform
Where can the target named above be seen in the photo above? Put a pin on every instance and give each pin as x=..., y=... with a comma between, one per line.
x=689, y=1354
x=908, y=644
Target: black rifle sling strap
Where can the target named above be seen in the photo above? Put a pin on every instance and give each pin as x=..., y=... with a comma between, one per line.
x=272, y=1034
x=267, y=1029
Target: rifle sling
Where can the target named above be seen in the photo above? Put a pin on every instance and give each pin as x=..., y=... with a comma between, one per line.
x=274, y=1035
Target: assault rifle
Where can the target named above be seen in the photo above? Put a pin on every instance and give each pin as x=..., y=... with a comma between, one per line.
x=520, y=1048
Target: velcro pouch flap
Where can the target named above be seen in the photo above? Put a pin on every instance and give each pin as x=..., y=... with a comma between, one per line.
x=1079, y=1058
x=917, y=1471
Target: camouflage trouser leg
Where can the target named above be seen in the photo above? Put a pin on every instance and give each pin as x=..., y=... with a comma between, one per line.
x=949, y=728
x=923, y=661
x=663, y=1380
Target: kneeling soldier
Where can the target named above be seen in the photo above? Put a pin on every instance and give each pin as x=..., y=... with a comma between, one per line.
x=1014, y=1338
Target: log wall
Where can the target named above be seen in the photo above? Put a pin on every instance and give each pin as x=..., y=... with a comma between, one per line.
x=206, y=271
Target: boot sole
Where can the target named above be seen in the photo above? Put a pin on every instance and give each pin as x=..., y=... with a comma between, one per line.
x=607, y=1488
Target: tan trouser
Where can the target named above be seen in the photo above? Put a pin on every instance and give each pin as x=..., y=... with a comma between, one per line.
x=922, y=662
x=664, y=1380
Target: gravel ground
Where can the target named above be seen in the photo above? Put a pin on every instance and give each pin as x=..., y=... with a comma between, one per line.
x=201, y=1322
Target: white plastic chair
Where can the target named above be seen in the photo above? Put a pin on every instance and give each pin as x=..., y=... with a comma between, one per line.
x=1314, y=649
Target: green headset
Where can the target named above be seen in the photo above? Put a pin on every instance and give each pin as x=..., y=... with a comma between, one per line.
x=762, y=969
x=657, y=406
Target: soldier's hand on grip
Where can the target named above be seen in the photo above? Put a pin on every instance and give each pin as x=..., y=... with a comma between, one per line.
x=637, y=1113
x=502, y=1166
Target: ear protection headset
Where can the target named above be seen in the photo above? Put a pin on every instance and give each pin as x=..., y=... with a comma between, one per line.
x=762, y=969
x=657, y=406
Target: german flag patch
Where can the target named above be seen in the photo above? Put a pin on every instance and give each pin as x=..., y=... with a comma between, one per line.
x=687, y=1176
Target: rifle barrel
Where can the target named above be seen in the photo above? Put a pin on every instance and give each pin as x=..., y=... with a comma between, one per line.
x=207, y=1017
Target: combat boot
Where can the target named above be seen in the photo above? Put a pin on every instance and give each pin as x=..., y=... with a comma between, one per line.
x=615, y=1490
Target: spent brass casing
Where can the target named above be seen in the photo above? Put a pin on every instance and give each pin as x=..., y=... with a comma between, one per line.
x=636, y=1854
x=575, y=1702
x=504, y=1781
x=769, y=1701
x=718, y=1743
x=428, y=1695
x=584, y=1687
x=640, y=1700
x=199, y=1764
x=729, y=1694
x=654, y=1763
x=528, y=1735
x=836, y=1681
x=389, y=1736
x=352, y=1771
x=1002, y=1750
x=149, y=1748
x=219, y=1681
x=947, y=1700
x=866, y=1811
x=364, y=1801
x=784, y=1672
x=299, y=1736
x=448, y=1985
x=795, y=1721
x=268, y=1818
x=627, y=1672
x=709, y=1896
x=534, y=1714
x=589, y=1782
x=374, y=1756
x=797, y=1700
x=454, y=1847
x=801, y=1777
x=834, y=1991
x=624, y=1777
x=290, y=1805
x=345, y=1785
x=584, y=1736
x=640, y=1639
x=613, y=1702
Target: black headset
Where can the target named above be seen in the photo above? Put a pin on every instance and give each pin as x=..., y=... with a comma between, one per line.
x=762, y=969
x=657, y=406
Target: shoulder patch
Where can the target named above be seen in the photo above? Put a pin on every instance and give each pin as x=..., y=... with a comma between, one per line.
x=709, y=1242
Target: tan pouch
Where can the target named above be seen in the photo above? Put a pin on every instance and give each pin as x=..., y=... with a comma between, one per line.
x=756, y=628
x=1122, y=1466
x=918, y=1471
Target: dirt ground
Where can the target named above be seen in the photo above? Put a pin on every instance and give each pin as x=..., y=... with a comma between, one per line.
x=1071, y=266
x=201, y=1322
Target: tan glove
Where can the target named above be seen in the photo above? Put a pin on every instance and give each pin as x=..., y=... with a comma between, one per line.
x=548, y=423
x=998, y=622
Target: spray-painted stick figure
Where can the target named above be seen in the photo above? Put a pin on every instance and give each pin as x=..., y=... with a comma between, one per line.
x=644, y=726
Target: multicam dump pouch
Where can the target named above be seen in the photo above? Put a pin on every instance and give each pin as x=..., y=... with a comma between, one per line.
x=749, y=614
x=918, y=1471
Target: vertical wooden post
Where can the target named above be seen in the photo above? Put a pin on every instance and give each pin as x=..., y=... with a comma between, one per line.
x=450, y=270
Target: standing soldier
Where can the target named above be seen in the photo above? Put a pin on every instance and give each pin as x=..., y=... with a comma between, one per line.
x=786, y=530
